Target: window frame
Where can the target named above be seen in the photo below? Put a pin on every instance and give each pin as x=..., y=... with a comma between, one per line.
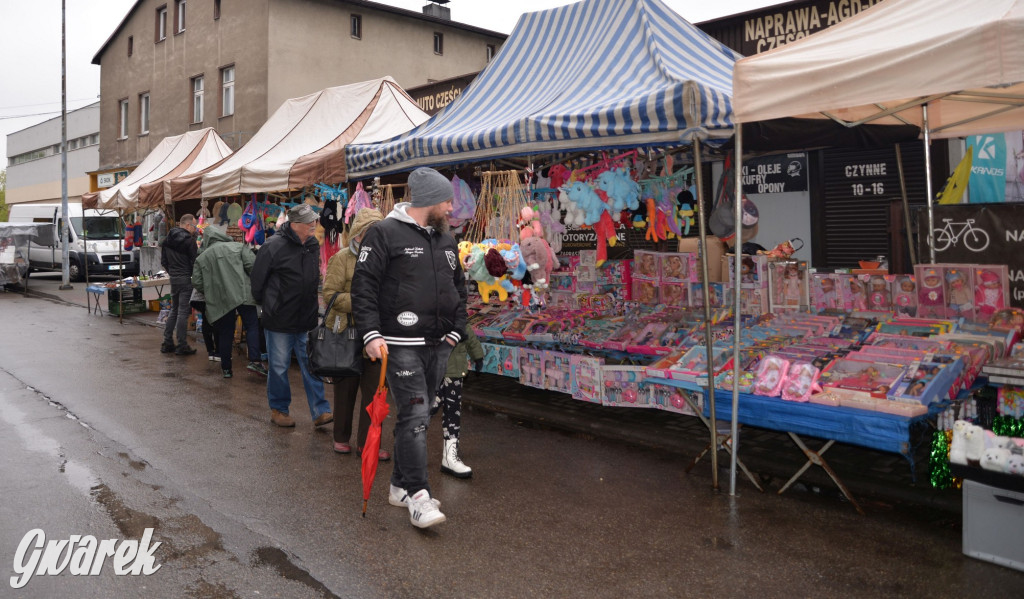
x=179, y=16
x=227, y=90
x=491, y=51
x=161, y=23
x=198, y=98
x=144, y=112
x=438, y=43
x=216, y=10
x=131, y=45
x=122, y=108
x=355, y=26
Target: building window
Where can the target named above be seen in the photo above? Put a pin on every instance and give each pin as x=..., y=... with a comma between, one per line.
x=227, y=91
x=131, y=45
x=490, y=52
x=179, y=16
x=143, y=114
x=356, y=27
x=123, y=119
x=216, y=9
x=197, y=99
x=161, y=23
x=94, y=139
x=438, y=43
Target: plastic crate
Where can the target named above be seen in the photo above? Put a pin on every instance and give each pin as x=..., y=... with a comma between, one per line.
x=133, y=307
x=127, y=293
x=993, y=524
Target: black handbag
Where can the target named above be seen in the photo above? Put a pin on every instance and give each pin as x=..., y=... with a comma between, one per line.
x=334, y=354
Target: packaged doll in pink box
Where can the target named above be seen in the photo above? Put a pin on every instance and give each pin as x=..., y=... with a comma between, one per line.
x=824, y=292
x=675, y=267
x=990, y=285
x=645, y=265
x=675, y=294
x=879, y=293
x=959, y=293
x=855, y=295
x=787, y=280
x=801, y=381
x=770, y=375
x=931, y=295
x=905, y=295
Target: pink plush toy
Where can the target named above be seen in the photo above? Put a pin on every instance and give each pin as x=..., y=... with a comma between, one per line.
x=540, y=260
x=529, y=224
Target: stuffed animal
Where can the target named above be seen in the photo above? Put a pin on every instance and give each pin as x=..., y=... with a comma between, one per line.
x=975, y=442
x=540, y=260
x=529, y=223
x=622, y=191
x=1015, y=464
x=958, y=447
x=514, y=262
x=574, y=215
x=996, y=458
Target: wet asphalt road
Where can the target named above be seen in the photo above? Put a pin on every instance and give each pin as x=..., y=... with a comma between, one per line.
x=101, y=434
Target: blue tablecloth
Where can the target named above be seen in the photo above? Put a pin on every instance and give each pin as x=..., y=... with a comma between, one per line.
x=876, y=430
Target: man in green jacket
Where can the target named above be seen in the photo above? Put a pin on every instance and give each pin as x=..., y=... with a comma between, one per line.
x=221, y=274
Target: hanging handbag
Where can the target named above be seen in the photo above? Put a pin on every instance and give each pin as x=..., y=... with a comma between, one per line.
x=334, y=354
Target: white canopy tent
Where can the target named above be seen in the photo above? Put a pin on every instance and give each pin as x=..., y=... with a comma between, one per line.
x=304, y=141
x=950, y=67
x=174, y=156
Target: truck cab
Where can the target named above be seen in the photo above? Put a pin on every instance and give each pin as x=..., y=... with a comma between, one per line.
x=95, y=241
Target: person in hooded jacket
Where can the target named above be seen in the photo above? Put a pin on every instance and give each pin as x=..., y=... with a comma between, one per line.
x=177, y=256
x=221, y=274
x=285, y=278
x=339, y=281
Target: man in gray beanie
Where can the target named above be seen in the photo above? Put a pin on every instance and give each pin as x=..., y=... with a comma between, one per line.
x=409, y=302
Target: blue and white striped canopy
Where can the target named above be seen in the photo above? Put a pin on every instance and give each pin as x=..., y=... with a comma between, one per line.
x=594, y=74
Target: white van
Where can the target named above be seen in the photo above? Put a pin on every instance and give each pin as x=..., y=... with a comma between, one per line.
x=96, y=240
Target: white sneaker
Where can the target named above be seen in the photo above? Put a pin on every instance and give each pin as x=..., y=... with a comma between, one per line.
x=423, y=512
x=451, y=463
x=399, y=498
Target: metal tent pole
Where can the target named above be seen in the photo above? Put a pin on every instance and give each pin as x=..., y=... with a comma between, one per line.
x=928, y=182
x=737, y=263
x=703, y=245
x=906, y=209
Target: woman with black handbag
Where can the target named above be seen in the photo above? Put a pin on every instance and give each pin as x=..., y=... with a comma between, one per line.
x=339, y=282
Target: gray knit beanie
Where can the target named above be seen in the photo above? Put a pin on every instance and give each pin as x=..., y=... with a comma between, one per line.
x=428, y=187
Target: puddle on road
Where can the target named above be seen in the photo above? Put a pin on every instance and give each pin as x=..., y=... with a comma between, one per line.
x=278, y=560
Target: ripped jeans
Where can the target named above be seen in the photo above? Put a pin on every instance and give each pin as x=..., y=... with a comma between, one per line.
x=414, y=374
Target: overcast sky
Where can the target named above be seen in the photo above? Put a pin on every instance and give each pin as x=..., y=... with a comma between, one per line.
x=30, y=40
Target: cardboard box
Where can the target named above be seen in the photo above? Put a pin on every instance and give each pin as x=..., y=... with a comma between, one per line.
x=716, y=250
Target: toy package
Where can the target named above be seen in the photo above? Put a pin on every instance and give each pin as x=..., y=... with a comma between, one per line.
x=991, y=290
x=645, y=291
x=904, y=294
x=753, y=271
x=586, y=383
x=531, y=367
x=959, y=292
x=931, y=293
x=557, y=371
x=879, y=290
x=622, y=387
x=648, y=340
x=646, y=265
x=770, y=376
x=825, y=293
x=788, y=283
x=855, y=294
x=562, y=281
x=674, y=399
x=675, y=294
x=801, y=381
x=675, y=267
x=872, y=378
x=499, y=359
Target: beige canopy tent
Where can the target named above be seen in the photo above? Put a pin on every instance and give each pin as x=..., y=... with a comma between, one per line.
x=950, y=67
x=174, y=156
x=304, y=141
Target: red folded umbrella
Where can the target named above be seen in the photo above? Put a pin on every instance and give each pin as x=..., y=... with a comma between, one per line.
x=378, y=411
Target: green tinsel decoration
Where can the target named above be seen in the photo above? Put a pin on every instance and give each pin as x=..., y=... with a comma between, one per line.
x=939, y=474
x=1008, y=426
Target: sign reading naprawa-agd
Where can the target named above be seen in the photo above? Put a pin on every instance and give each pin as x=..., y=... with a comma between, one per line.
x=978, y=234
x=775, y=174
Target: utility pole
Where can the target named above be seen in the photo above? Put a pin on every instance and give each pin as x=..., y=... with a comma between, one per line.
x=66, y=224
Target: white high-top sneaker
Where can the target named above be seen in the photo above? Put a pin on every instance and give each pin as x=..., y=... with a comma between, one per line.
x=451, y=463
x=423, y=512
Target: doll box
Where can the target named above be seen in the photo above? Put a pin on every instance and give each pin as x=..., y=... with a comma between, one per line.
x=531, y=367
x=673, y=399
x=675, y=267
x=557, y=371
x=674, y=293
x=646, y=265
x=586, y=383
x=753, y=271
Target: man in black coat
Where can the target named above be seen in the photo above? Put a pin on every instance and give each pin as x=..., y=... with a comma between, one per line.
x=285, y=278
x=178, y=256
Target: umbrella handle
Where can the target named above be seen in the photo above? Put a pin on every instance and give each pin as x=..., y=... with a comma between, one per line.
x=383, y=366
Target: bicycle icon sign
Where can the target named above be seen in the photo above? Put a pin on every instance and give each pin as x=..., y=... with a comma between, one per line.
x=975, y=238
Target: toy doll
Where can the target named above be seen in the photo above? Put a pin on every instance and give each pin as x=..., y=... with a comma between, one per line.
x=988, y=294
x=769, y=376
x=799, y=382
x=879, y=297
x=791, y=285
x=858, y=299
x=826, y=297
x=906, y=296
x=675, y=268
x=958, y=295
x=647, y=266
x=748, y=270
x=931, y=298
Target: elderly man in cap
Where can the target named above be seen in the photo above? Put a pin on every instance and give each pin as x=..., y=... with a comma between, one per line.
x=284, y=278
x=409, y=301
